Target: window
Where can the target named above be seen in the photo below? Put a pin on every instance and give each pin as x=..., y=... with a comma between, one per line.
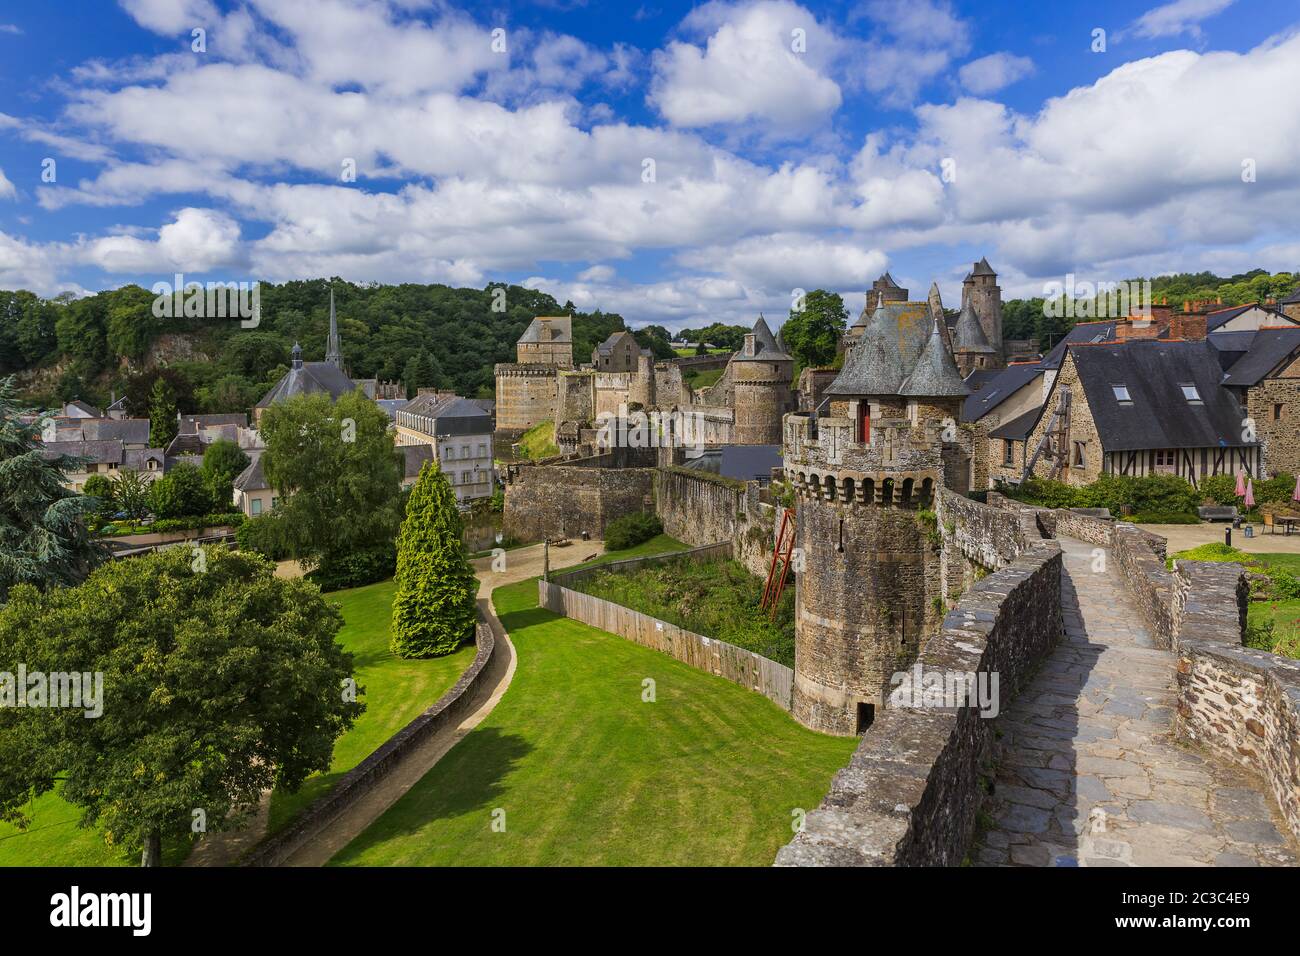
x=1165, y=458
x=1277, y=412
x=1190, y=393
x=482, y=450
x=464, y=451
x=448, y=452
x=1121, y=394
x=256, y=506
x=1008, y=451
x=1080, y=459
x=465, y=479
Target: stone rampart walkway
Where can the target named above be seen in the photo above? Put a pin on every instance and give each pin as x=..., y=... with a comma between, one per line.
x=1090, y=774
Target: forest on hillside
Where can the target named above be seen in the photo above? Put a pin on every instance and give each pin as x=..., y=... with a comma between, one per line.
x=1025, y=318
x=421, y=335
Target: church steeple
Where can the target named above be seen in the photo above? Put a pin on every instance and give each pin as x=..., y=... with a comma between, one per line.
x=333, y=352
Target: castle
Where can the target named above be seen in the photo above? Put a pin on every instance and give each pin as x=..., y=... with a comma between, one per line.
x=743, y=407
x=866, y=477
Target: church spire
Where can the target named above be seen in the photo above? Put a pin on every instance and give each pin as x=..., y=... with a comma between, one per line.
x=333, y=352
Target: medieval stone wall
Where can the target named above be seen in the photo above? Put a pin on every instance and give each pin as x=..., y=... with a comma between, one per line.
x=525, y=396
x=567, y=499
x=911, y=792
x=700, y=509
x=1280, y=436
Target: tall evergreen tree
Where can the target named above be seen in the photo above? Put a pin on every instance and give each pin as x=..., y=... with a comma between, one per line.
x=162, y=415
x=43, y=537
x=433, y=611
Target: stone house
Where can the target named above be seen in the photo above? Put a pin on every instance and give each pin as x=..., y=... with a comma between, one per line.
x=618, y=353
x=253, y=494
x=1266, y=381
x=1142, y=407
x=107, y=457
x=459, y=432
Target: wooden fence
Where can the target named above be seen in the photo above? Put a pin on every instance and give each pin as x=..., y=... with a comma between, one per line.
x=753, y=671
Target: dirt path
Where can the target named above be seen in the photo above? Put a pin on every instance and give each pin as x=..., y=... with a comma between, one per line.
x=225, y=848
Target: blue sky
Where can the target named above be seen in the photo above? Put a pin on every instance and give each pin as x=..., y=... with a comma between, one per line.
x=792, y=145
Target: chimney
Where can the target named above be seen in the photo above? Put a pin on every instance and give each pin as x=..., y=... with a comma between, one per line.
x=1193, y=328
x=749, y=345
x=1162, y=313
x=1136, y=327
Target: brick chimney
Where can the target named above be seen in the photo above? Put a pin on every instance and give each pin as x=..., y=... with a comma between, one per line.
x=1190, y=326
x=1136, y=327
x=1162, y=313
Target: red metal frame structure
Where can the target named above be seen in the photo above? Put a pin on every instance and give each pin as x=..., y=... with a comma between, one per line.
x=775, y=586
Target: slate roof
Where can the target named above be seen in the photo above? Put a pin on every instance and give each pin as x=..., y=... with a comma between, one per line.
x=765, y=347
x=886, y=352
x=935, y=373
x=252, y=478
x=307, y=379
x=1293, y=298
x=191, y=424
x=1269, y=348
x=562, y=324
x=137, y=459
x=982, y=268
x=980, y=377
x=391, y=406
x=741, y=462
x=414, y=457
x=1018, y=429
x=107, y=452
x=129, y=431
x=887, y=281
x=1158, y=415
x=88, y=410
x=1221, y=317
x=996, y=391
x=1082, y=332
x=607, y=346
x=968, y=334
x=452, y=415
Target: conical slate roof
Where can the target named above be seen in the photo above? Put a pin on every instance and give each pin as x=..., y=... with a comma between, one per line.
x=887, y=281
x=968, y=334
x=936, y=373
x=982, y=268
x=873, y=365
x=766, y=348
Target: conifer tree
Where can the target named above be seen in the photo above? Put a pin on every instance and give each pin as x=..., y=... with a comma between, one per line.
x=433, y=612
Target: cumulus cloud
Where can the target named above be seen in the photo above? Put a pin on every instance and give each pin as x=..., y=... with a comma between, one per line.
x=761, y=62
x=7, y=190
x=991, y=73
x=913, y=41
x=1178, y=17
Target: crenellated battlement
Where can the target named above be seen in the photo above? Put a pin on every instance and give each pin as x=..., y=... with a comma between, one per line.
x=900, y=467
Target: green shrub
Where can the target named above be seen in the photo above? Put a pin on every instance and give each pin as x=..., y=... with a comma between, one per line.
x=1220, y=489
x=1164, y=517
x=337, y=572
x=631, y=530
x=1286, y=587
x=263, y=535
x=1043, y=492
x=1276, y=490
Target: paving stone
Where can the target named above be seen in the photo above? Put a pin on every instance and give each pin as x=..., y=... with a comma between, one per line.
x=1254, y=831
x=1170, y=814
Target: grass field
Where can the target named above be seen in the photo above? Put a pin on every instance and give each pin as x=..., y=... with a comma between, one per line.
x=583, y=772
x=1284, y=614
x=719, y=599
x=699, y=380
x=395, y=690
x=539, y=442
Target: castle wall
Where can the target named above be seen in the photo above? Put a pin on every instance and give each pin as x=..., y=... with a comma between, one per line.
x=911, y=792
x=525, y=395
x=576, y=400
x=761, y=395
x=700, y=509
x=565, y=500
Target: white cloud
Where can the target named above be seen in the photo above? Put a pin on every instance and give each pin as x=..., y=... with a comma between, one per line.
x=11, y=28
x=7, y=190
x=748, y=70
x=913, y=42
x=1180, y=16
x=991, y=73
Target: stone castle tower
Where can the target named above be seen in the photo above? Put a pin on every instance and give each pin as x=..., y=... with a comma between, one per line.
x=970, y=347
x=866, y=597
x=980, y=288
x=762, y=376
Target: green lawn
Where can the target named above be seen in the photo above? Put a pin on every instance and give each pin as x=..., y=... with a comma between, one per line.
x=659, y=544
x=395, y=690
x=699, y=380
x=539, y=442
x=588, y=774
x=719, y=599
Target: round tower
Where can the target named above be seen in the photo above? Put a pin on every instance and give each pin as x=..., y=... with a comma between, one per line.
x=762, y=377
x=865, y=597
x=980, y=288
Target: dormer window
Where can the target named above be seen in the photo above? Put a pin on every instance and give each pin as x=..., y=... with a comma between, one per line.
x=1121, y=394
x=1190, y=393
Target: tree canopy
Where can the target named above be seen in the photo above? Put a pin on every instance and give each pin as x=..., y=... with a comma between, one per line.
x=813, y=334
x=219, y=680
